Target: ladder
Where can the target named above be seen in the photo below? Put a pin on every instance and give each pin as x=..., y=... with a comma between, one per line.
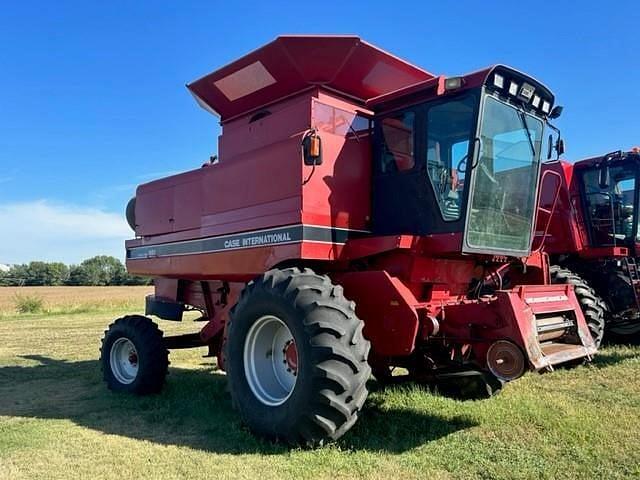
x=631, y=268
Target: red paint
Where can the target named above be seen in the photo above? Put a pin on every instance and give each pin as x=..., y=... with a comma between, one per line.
x=291, y=356
x=389, y=307
x=412, y=292
x=567, y=232
x=343, y=63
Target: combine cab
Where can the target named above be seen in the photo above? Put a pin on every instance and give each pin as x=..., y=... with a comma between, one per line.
x=593, y=238
x=364, y=215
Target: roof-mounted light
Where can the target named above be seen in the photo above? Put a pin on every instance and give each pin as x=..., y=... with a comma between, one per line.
x=513, y=88
x=498, y=80
x=526, y=92
x=546, y=106
x=536, y=101
x=453, y=83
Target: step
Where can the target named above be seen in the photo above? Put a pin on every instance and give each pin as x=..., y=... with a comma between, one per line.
x=555, y=353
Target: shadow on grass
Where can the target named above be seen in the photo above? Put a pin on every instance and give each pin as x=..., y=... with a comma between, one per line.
x=193, y=410
x=612, y=356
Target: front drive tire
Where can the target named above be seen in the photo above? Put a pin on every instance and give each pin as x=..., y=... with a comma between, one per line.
x=133, y=356
x=593, y=307
x=296, y=358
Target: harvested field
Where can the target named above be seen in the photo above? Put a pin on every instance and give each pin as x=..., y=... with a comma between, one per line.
x=75, y=299
x=58, y=421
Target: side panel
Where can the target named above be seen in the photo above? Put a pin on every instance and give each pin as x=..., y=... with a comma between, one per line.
x=240, y=265
x=237, y=190
x=338, y=192
x=237, y=256
x=566, y=233
x=204, y=223
x=387, y=308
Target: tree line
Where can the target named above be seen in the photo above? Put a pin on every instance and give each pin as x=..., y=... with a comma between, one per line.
x=95, y=271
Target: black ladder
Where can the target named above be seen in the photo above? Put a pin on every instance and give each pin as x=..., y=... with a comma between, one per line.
x=632, y=270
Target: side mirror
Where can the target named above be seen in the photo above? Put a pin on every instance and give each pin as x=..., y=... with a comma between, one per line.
x=604, y=178
x=558, y=145
x=556, y=112
x=312, y=149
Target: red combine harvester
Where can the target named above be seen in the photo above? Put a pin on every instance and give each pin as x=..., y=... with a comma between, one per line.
x=364, y=214
x=593, y=238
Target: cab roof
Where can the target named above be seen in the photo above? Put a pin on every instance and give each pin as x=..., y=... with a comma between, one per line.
x=612, y=157
x=293, y=63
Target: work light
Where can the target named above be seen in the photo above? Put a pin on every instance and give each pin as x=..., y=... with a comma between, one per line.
x=546, y=106
x=498, y=81
x=452, y=83
x=526, y=92
x=536, y=101
x=513, y=88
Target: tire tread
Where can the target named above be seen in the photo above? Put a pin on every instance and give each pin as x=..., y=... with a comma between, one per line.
x=338, y=348
x=593, y=307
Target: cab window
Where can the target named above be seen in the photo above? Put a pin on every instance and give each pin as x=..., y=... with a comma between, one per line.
x=398, y=141
x=611, y=210
x=449, y=131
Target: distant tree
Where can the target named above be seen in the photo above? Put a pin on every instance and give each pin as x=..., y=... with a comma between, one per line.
x=17, y=275
x=57, y=273
x=136, y=280
x=99, y=270
x=76, y=275
x=37, y=273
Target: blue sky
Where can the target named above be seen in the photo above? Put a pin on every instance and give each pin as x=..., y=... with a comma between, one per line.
x=92, y=97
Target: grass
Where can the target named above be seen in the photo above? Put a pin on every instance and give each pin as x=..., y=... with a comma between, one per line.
x=57, y=300
x=28, y=303
x=57, y=420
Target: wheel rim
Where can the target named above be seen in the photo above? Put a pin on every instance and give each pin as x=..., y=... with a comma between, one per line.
x=124, y=360
x=270, y=360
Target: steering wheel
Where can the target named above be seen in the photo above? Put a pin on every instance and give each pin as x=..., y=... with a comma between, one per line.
x=462, y=164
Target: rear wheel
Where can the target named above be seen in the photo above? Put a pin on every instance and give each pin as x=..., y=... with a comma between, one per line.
x=296, y=359
x=592, y=306
x=625, y=326
x=469, y=385
x=133, y=356
x=625, y=330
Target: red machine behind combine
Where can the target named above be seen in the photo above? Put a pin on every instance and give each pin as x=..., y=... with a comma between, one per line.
x=364, y=214
x=593, y=238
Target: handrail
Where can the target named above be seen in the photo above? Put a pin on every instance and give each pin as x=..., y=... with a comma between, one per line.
x=549, y=212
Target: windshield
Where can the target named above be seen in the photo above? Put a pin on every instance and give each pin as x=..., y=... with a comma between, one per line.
x=611, y=209
x=505, y=177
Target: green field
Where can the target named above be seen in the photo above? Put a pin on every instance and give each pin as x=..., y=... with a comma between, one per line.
x=57, y=420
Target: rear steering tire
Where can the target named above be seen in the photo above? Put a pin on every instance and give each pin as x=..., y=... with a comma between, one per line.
x=296, y=358
x=470, y=385
x=592, y=306
x=133, y=356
